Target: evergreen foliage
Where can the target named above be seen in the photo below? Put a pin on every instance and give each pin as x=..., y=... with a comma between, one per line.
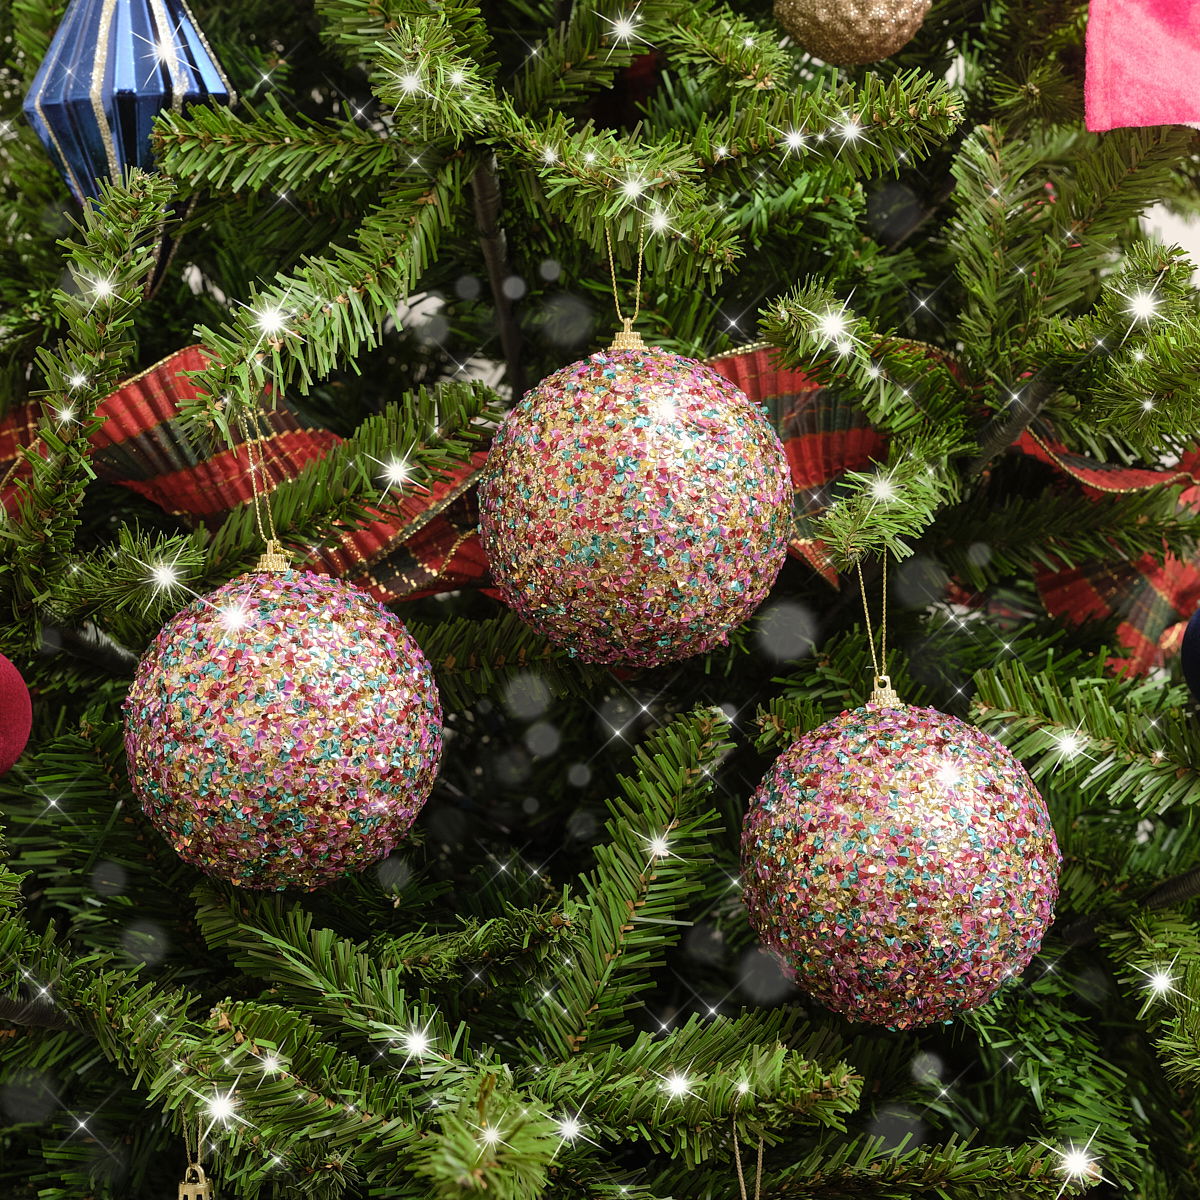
x=551, y=989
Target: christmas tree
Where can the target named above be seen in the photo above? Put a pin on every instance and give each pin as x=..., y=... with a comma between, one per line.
x=983, y=372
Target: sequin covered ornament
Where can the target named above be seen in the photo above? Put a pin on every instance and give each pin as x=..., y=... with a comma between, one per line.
x=850, y=32
x=635, y=506
x=901, y=863
x=283, y=730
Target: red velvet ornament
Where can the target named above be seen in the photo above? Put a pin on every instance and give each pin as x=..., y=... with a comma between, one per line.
x=16, y=714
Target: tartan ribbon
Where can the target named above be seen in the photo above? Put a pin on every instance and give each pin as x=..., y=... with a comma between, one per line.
x=826, y=435
x=423, y=544
x=428, y=541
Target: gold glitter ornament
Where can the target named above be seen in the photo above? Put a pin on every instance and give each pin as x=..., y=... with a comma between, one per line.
x=848, y=33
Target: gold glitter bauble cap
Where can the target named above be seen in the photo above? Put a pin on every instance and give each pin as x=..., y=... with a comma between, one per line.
x=847, y=33
x=627, y=338
x=884, y=694
x=273, y=558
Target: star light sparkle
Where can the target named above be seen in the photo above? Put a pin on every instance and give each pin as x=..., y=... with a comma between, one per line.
x=949, y=775
x=221, y=1107
x=882, y=488
x=850, y=130
x=659, y=221
x=396, y=471
x=1070, y=744
x=164, y=576
x=833, y=326
x=233, y=617
x=677, y=1086
x=1160, y=982
x=270, y=321
x=623, y=29
x=1076, y=1163
x=416, y=1043
x=1143, y=305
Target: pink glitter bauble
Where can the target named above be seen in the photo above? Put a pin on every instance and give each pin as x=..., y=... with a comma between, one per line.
x=283, y=730
x=635, y=507
x=901, y=864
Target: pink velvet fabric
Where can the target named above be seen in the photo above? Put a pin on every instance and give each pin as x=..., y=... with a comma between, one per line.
x=1143, y=63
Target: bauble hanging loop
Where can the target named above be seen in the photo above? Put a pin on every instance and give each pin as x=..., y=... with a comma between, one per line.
x=273, y=558
x=884, y=694
x=627, y=338
x=195, y=1185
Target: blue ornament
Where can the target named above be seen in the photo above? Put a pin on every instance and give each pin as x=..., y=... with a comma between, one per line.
x=112, y=67
x=1189, y=656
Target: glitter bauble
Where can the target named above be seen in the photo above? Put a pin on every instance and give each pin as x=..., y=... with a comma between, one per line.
x=901, y=863
x=849, y=32
x=635, y=507
x=283, y=730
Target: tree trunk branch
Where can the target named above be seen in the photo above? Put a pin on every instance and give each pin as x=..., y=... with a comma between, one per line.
x=1175, y=890
x=1168, y=894
x=486, y=188
x=1005, y=428
x=38, y=1011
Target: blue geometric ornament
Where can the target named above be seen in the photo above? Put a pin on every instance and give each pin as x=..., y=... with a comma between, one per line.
x=112, y=67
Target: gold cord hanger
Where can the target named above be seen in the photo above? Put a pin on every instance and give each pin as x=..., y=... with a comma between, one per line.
x=273, y=558
x=741, y=1177
x=883, y=692
x=626, y=338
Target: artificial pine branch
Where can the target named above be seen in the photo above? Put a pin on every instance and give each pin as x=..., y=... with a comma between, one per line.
x=267, y=148
x=110, y=264
x=1120, y=740
x=303, y=325
x=472, y=658
x=642, y=875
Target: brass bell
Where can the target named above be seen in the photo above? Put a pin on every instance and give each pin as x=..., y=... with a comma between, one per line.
x=195, y=1185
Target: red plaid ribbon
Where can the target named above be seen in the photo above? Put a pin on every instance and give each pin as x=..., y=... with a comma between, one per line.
x=826, y=436
x=423, y=544
x=428, y=542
